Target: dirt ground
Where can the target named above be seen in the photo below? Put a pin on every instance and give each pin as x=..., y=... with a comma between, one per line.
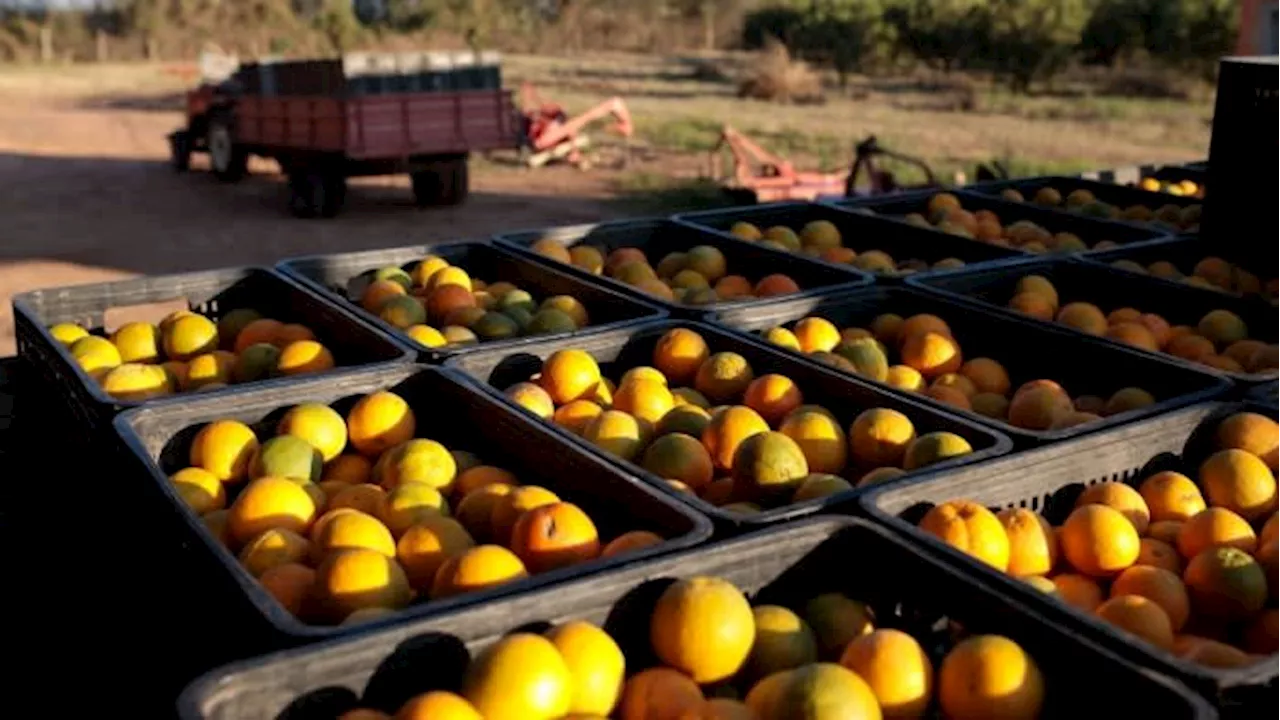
x=86, y=195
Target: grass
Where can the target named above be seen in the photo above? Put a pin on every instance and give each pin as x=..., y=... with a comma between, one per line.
x=654, y=193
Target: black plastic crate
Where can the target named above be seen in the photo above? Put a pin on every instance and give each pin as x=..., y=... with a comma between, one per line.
x=1090, y=230
x=1118, y=196
x=1109, y=289
x=782, y=566
x=1048, y=480
x=1184, y=252
x=845, y=395
x=657, y=236
x=859, y=231
x=607, y=309
x=448, y=410
x=1028, y=350
x=210, y=293
x=1132, y=175
x=1268, y=394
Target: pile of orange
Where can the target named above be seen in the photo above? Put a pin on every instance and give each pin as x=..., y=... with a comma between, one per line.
x=698, y=276
x=708, y=425
x=719, y=658
x=1219, y=340
x=1187, y=566
x=1167, y=216
x=1183, y=188
x=944, y=212
x=921, y=354
x=1212, y=273
x=822, y=239
x=346, y=519
x=187, y=352
x=438, y=305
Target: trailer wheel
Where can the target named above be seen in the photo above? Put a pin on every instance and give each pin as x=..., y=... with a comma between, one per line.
x=180, y=151
x=444, y=182
x=230, y=162
x=314, y=193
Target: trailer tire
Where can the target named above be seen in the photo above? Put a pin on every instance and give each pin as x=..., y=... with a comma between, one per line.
x=456, y=183
x=444, y=182
x=230, y=162
x=180, y=151
x=316, y=194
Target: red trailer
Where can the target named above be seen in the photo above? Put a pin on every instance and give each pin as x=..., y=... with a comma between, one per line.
x=323, y=126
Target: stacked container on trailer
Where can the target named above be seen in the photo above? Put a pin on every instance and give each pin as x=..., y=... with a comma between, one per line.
x=363, y=114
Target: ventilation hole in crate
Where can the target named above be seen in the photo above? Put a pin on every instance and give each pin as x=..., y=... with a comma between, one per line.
x=628, y=621
x=322, y=704
x=432, y=661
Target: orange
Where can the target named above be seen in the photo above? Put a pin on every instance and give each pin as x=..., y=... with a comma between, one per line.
x=1158, y=585
x=816, y=334
x=569, y=375
x=436, y=705
x=678, y=354
x=1078, y=591
x=922, y=323
x=731, y=287
x=1038, y=408
x=836, y=621
x=355, y=579
x=553, y=536
x=816, y=690
x=991, y=405
x=1211, y=653
x=783, y=641
x=1134, y=334
x=290, y=584
x=67, y=333
x=574, y=416
x=1040, y=285
x=508, y=508
x=224, y=448
x=727, y=430
x=1099, y=541
x=1263, y=634
x=291, y=333
x=410, y=503
x=95, y=355
x=475, y=569
x=1242, y=352
x=364, y=497
x=934, y=447
x=1139, y=616
x=659, y=693
x=989, y=676
x=190, y=336
x=424, y=547
x=905, y=378
x=1161, y=554
x=782, y=337
x=216, y=523
x=1084, y=317
x=987, y=375
x=679, y=457
x=480, y=476
x=532, y=398
x=265, y=331
x=879, y=475
x=1033, y=546
x=1171, y=496
x=1214, y=527
x=896, y=668
x=596, y=666
x=1270, y=529
x=773, y=397
x=723, y=377
x=628, y=541
x=931, y=353
x=304, y=356
x=1158, y=328
x=137, y=342
x=377, y=294
x=644, y=399
x=274, y=547
x=1238, y=481
x=347, y=529
x=1189, y=347
x=879, y=437
x=617, y=433
x=549, y=248
x=1222, y=328
x=643, y=372
x=1226, y=583
x=444, y=301
x=378, y=422
x=722, y=708
x=776, y=284
x=957, y=382
x=704, y=627
x=475, y=511
x=1121, y=497
x=451, y=275
x=1123, y=315
x=520, y=677
x=199, y=489
x=267, y=503
x=970, y=528
x=320, y=425
x=1033, y=304
x=416, y=461
x=949, y=396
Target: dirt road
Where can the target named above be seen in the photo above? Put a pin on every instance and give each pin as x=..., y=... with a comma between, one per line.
x=86, y=194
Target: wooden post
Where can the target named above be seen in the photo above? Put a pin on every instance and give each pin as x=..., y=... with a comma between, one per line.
x=46, y=43
x=100, y=39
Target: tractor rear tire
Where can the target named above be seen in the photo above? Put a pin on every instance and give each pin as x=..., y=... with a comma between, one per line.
x=230, y=162
x=444, y=182
x=180, y=151
x=316, y=193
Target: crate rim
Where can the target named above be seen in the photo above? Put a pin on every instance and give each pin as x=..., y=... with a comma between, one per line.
x=438, y=355
x=1186, y=240
x=1002, y=444
x=213, y=681
x=868, y=506
x=1245, y=379
x=506, y=240
x=115, y=406
x=1220, y=385
x=285, y=622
